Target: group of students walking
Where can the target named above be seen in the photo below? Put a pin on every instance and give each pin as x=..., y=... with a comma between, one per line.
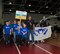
x=20, y=31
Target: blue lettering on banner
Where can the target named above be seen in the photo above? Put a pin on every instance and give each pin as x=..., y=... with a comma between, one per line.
x=40, y=31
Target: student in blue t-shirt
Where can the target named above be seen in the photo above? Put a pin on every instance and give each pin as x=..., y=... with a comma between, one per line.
x=19, y=37
x=15, y=29
x=7, y=32
x=24, y=33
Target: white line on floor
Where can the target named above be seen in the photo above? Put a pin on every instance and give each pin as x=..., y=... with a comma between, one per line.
x=42, y=49
x=17, y=48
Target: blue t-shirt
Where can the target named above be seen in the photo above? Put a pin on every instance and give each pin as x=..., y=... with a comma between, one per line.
x=20, y=26
x=24, y=30
x=7, y=29
x=15, y=28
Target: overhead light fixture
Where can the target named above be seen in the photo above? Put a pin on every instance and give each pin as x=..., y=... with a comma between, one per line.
x=10, y=2
x=10, y=10
x=51, y=13
x=46, y=6
x=29, y=5
x=38, y=12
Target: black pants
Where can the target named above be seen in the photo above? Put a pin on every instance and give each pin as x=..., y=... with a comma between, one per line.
x=19, y=39
x=25, y=40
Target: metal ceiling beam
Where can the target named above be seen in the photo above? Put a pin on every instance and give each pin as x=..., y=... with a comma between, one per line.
x=55, y=10
x=37, y=4
x=44, y=5
x=53, y=5
x=25, y=1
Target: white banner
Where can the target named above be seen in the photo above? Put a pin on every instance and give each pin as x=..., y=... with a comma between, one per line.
x=41, y=33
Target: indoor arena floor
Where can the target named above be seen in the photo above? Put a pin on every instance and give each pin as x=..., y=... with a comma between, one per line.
x=38, y=48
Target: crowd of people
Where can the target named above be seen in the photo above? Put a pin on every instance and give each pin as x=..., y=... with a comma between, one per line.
x=21, y=31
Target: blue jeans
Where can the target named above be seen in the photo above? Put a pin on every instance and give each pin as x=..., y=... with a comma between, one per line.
x=7, y=38
x=14, y=38
x=32, y=36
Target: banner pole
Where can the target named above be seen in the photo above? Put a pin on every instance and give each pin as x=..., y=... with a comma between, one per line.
x=20, y=19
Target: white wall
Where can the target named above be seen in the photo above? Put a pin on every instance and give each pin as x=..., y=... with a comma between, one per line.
x=36, y=17
x=11, y=16
x=1, y=20
x=53, y=20
x=0, y=8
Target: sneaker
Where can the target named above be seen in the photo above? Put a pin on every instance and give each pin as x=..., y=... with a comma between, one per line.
x=19, y=46
x=42, y=41
x=28, y=42
x=33, y=43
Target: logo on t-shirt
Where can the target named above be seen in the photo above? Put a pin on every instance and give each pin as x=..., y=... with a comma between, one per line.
x=7, y=27
x=41, y=31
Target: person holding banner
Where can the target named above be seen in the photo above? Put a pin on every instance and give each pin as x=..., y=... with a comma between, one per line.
x=19, y=26
x=18, y=36
x=30, y=25
x=14, y=29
